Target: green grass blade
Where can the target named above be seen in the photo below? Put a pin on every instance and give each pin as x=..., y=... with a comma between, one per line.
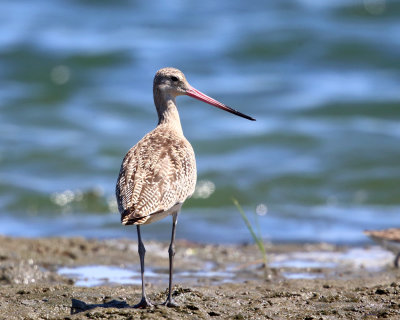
x=257, y=239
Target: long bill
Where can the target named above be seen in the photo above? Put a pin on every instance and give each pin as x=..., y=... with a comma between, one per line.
x=192, y=92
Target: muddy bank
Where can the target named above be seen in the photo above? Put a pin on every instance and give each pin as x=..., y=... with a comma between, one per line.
x=226, y=282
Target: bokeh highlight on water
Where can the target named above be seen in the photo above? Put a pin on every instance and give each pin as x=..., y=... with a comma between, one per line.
x=321, y=163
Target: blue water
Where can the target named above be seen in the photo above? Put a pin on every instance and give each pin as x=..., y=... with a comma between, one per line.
x=321, y=163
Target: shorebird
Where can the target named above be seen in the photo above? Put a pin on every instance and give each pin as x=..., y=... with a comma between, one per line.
x=159, y=173
x=389, y=239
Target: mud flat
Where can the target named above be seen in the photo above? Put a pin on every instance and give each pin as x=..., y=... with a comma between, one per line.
x=76, y=278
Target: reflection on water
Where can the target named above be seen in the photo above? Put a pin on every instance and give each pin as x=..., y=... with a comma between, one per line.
x=293, y=265
x=321, y=163
x=89, y=276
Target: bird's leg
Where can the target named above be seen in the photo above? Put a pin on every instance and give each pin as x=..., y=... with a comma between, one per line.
x=144, y=302
x=171, y=251
x=396, y=260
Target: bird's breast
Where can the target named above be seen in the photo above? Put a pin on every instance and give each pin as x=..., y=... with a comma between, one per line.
x=156, y=174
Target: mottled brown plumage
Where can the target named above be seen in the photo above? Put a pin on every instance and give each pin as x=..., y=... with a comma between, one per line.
x=159, y=173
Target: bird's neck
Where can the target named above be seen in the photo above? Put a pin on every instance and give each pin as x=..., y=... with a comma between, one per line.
x=167, y=111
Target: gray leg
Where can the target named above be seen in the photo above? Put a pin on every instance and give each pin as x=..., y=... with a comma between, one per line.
x=396, y=260
x=171, y=251
x=144, y=303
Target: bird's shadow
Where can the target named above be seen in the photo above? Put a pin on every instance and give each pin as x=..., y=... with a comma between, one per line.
x=80, y=306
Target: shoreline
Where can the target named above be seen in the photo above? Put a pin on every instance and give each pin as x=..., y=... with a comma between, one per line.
x=303, y=281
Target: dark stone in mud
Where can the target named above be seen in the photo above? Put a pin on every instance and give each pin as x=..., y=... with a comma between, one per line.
x=381, y=291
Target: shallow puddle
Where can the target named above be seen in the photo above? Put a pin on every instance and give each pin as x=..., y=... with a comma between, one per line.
x=372, y=259
x=89, y=276
x=293, y=265
x=302, y=275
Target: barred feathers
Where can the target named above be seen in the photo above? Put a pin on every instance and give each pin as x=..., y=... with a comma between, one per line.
x=156, y=175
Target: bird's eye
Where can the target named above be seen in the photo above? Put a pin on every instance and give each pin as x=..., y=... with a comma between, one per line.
x=173, y=78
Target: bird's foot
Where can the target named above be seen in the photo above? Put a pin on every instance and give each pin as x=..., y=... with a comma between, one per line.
x=144, y=303
x=170, y=303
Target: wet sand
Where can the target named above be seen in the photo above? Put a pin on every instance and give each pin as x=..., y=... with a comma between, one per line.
x=236, y=285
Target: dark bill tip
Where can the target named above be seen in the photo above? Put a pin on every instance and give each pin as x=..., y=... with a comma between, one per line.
x=192, y=92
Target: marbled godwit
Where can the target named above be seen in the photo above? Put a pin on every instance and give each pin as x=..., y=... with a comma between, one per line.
x=389, y=239
x=159, y=173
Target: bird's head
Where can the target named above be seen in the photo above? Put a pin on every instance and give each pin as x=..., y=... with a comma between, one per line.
x=172, y=82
